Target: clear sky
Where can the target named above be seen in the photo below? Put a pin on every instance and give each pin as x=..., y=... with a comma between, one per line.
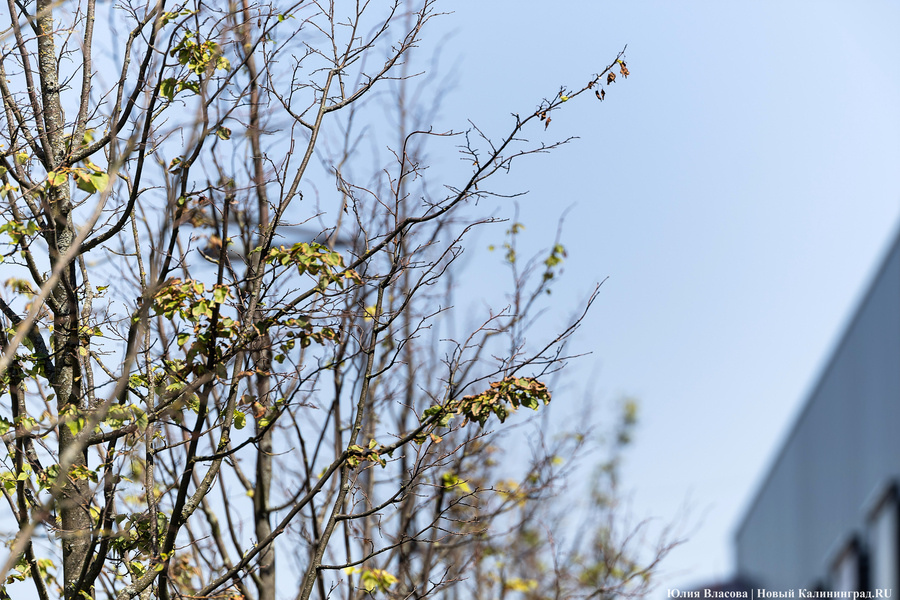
x=739, y=190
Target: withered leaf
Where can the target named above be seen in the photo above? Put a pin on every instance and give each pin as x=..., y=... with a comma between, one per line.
x=258, y=409
x=611, y=78
x=546, y=123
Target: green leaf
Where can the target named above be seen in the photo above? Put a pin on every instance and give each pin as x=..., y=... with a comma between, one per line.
x=56, y=178
x=167, y=88
x=100, y=181
x=140, y=417
x=220, y=293
x=203, y=305
x=451, y=481
x=240, y=419
x=192, y=86
x=75, y=425
x=373, y=580
x=84, y=182
x=521, y=585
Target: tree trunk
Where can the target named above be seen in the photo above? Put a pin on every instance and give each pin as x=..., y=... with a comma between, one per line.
x=261, y=493
x=73, y=506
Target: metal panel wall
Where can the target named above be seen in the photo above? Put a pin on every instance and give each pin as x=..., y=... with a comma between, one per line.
x=843, y=447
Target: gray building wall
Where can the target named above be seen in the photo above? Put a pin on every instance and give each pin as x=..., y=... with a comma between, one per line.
x=844, y=447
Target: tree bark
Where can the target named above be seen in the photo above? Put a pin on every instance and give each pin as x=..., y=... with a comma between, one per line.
x=73, y=507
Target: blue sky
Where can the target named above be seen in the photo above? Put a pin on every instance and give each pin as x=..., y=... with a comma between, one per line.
x=738, y=190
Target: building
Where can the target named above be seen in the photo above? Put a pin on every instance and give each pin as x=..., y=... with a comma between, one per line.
x=826, y=514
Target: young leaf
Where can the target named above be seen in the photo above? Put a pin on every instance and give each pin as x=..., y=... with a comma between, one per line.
x=57, y=177
x=100, y=181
